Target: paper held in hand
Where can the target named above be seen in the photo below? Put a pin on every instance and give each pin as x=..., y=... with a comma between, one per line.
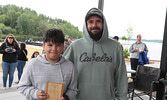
x=54, y=90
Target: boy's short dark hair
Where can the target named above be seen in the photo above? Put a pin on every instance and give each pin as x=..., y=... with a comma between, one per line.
x=53, y=35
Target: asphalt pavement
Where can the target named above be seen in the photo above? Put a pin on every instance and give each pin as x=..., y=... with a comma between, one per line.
x=13, y=94
x=10, y=93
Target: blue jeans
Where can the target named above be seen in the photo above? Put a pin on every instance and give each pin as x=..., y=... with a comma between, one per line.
x=20, y=66
x=8, y=68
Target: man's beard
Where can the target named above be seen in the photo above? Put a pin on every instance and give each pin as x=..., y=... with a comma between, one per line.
x=96, y=36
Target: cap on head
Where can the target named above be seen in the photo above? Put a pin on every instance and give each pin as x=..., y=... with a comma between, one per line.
x=116, y=37
x=94, y=11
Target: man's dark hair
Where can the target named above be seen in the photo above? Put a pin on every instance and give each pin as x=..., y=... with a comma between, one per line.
x=53, y=35
x=116, y=37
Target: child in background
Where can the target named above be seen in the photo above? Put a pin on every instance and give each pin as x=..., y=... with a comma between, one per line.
x=35, y=54
x=49, y=67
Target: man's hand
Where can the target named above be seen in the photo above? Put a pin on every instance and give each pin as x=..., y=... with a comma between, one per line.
x=42, y=94
x=140, y=50
x=135, y=50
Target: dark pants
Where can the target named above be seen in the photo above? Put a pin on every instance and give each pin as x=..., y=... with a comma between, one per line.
x=134, y=62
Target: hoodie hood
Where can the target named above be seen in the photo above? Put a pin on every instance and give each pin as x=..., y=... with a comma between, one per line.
x=42, y=59
x=98, y=12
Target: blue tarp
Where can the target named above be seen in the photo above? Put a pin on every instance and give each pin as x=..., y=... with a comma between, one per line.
x=143, y=58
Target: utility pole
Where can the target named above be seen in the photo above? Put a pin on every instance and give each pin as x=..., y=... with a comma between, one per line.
x=163, y=66
x=101, y=4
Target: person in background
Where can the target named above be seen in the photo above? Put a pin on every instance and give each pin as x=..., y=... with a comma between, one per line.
x=69, y=40
x=135, y=49
x=35, y=54
x=99, y=61
x=116, y=38
x=21, y=61
x=10, y=51
x=49, y=67
x=66, y=45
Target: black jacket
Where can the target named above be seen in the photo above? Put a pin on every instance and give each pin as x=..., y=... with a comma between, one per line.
x=22, y=56
x=9, y=57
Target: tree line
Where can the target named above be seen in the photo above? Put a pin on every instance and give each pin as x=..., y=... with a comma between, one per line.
x=25, y=23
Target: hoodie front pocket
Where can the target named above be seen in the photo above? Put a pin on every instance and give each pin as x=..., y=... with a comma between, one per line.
x=95, y=91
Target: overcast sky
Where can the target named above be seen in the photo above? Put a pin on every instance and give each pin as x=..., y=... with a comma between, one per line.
x=146, y=17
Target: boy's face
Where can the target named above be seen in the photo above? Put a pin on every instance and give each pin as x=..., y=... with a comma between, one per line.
x=53, y=51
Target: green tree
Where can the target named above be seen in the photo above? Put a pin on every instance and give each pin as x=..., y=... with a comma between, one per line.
x=124, y=38
x=129, y=33
x=42, y=27
x=8, y=30
x=26, y=22
x=1, y=27
x=2, y=18
x=126, y=53
x=0, y=32
x=68, y=29
x=12, y=18
x=22, y=24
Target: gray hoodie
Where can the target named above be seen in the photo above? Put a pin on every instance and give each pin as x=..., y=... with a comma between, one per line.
x=100, y=65
x=39, y=71
x=137, y=46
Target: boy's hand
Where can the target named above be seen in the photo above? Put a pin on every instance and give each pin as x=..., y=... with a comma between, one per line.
x=62, y=98
x=42, y=94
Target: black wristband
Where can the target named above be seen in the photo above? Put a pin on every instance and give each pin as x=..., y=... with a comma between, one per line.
x=66, y=97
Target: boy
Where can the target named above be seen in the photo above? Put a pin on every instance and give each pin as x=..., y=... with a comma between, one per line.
x=49, y=67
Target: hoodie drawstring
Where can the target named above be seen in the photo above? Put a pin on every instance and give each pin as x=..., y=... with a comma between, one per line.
x=92, y=52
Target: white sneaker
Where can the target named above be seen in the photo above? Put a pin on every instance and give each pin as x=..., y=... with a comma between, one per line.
x=4, y=88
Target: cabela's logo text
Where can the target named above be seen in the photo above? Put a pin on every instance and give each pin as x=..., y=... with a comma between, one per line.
x=104, y=58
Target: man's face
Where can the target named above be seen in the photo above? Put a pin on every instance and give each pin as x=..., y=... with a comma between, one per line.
x=94, y=24
x=139, y=37
x=53, y=51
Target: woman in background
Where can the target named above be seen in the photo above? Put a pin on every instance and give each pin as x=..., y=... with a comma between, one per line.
x=35, y=54
x=22, y=58
x=10, y=51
